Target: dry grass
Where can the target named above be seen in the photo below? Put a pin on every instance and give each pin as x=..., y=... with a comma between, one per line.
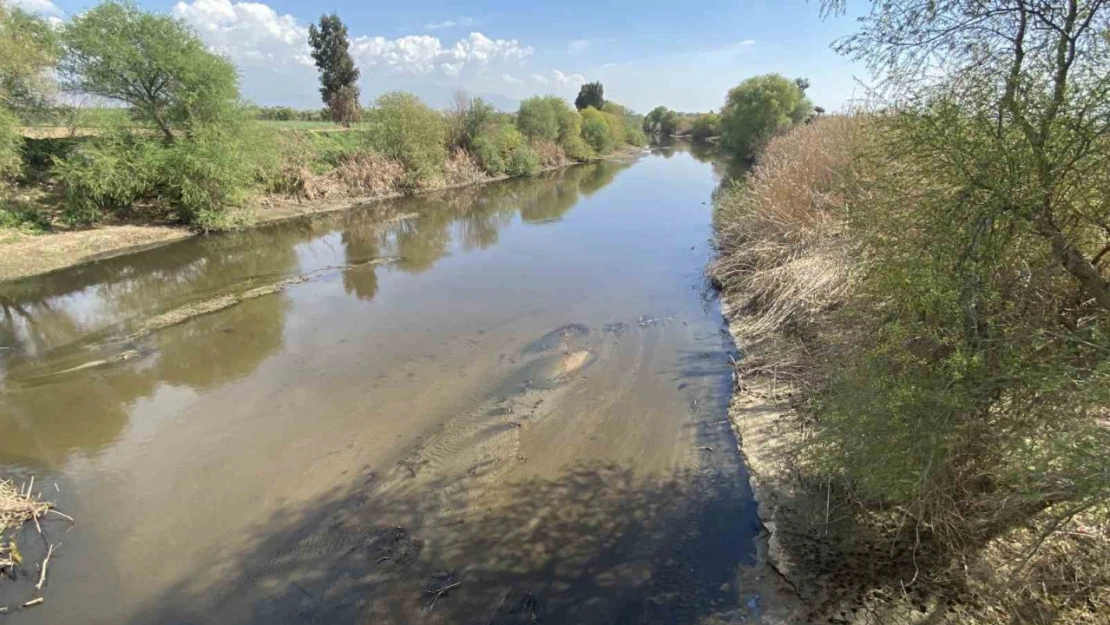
x=17, y=506
x=781, y=235
x=461, y=169
x=370, y=174
x=551, y=154
x=786, y=260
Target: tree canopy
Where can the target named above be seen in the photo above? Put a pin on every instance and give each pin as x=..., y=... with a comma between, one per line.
x=153, y=62
x=338, y=74
x=758, y=109
x=591, y=94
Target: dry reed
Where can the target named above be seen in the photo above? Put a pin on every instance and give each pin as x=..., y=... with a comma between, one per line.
x=781, y=234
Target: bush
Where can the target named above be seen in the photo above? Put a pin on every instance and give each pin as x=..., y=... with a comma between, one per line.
x=408, y=130
x=539, y=117
x=10, y=144
x=488, y=154
x=469, y=120
x=706, y=126
x=760, y=108
x=23, y=217
x=523, y=162
x=595, y=130
x=203, y=177
x=108, y=175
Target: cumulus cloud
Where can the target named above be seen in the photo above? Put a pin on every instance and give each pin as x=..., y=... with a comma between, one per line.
x=512, y=80
x=38, y=6
x=248, y=32
x=462, y=21
x=252, y=33
x=422, y=54
x=559, y=81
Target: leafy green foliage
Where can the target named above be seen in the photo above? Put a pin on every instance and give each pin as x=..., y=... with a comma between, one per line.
x=538, y=117
x=28, y=50
x=409, y=131
x=758, y=109
x=338, y=74
x=596, y=130
x=591, y=94
x=10, y=144
x=108, y=175
x=471, y=119
x=154, y=63
x=706, y=126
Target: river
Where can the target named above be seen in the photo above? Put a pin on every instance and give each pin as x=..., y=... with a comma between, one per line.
x=505, y=404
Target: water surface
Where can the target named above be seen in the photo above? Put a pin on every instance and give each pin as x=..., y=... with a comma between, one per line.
x=515, y=392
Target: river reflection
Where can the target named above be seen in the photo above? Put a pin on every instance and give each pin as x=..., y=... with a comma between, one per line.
x=67, y=319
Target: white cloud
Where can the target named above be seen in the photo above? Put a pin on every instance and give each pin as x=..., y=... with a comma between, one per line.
x=565, y=80
x=38, y=6
x=578, y=46
x=748, y=42
x=462, y=21
x=512, y=80
x=248, y=32
x=252, y=33
x=540, y=80
x=422, y=54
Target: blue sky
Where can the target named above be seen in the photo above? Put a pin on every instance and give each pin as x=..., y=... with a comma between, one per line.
x=683, y=55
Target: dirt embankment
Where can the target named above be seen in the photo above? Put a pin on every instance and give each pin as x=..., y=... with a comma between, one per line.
x=23, y=255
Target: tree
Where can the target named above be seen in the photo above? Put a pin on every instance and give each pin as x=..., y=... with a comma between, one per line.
x=668, y=125
x=596, y=130
x=29, y=48
x=591, y=94
x=706, y=126
x=338, y=74
x=802, y=83
x=538, y=117
x=152, y=62
x=408, y=131
x=652, y=119
x=758, y=109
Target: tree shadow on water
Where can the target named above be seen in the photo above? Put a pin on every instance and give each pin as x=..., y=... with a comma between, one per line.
x=597, y=544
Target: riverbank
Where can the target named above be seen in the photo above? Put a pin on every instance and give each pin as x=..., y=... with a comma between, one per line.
x=23, y=254
x=890, y=490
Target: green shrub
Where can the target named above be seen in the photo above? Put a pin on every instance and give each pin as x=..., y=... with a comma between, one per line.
x=595, y=130
x=523, y=162
x=408, y=130
x=488, y=154
x=539, y=117
x=760, y=108
x=22, y=217
x=108, y=175
x=10, y=144
x=210, y=175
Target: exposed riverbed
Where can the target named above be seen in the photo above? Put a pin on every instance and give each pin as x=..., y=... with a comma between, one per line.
x=507, y=405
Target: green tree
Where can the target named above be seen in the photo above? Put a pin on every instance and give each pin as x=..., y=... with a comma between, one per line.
x=338, y=74
x=591, y=94
x=758, y=109
x=595, y=130
x=152, y=62
x=28, y=49
x=408, y=130
x=652, y=119
x=668, y=124
x=706, y=126
x=538, y=117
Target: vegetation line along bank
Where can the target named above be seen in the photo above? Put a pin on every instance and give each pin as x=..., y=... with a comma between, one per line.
x=926, y=287
x=177, y=143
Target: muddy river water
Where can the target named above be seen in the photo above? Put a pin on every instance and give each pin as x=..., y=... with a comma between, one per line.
x=504, y=404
